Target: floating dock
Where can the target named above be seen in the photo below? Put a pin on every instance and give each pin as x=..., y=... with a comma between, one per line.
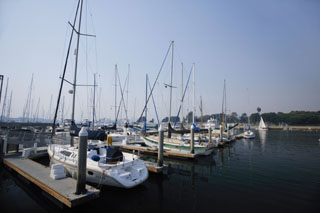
x=63, y=190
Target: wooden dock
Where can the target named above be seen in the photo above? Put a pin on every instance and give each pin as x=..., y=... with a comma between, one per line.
x=63, y=190
x=166, y=153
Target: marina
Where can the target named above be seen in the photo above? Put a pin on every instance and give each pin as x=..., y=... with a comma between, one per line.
x=276, y=171
x=159, y=106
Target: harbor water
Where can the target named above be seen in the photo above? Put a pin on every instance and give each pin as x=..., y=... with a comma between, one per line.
x=278, y=171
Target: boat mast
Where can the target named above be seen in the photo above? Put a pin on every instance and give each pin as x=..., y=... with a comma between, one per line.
x=145, y=121
x=76, y=65
x=223, y=101
x=201, y=118
x=181, y=116
x=171, y=72
x=194, y=94
x=128, y=91
x=94, y=99
x=9, y=106
x=4, y=101
x=115, y=94
x=64, y=72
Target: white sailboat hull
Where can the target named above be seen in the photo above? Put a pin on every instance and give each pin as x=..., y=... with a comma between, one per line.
x=125, y=174
x=249, y=135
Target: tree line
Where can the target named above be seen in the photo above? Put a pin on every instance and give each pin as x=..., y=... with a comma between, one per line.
x=279, y=118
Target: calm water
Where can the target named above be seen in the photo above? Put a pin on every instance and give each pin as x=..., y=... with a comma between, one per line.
x=278, y=171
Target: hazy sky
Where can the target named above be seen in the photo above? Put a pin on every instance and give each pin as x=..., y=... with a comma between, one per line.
x=267, y=50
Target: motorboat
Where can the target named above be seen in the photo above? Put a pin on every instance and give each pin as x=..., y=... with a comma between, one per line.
x=249, y=134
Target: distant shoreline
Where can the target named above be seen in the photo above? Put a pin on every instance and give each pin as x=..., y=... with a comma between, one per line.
x=290, y=127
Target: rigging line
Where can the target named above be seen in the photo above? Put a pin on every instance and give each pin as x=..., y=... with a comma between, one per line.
x=184, y=93
x=122, y=98
x=155, y=108
x=145, y=106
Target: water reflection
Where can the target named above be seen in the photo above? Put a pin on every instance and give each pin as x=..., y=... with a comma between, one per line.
x=262, y=136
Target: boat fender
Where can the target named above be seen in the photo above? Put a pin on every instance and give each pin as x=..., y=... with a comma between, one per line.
x=95, y=158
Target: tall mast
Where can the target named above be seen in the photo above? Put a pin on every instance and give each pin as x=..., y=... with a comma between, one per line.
x=4, y=101
x=128, y=91
x=64, y=72
x=26, y=110
x=1, y=79
x=223, y=102
x=36, y=114
x=145, y=122
x=181, y=115
x=9, y=106
x=194, y=108
x=76, y=65
x=201, y=118
x=94, y=99
x=115, y=93
x=171, y=71
x=62, y=111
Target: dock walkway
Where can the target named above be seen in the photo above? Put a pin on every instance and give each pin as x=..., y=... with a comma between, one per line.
x=63, y=189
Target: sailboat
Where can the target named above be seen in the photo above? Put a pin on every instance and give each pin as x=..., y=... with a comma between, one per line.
x=179, y=144
x=262, y=125
x=106, y=165
x=249, y=134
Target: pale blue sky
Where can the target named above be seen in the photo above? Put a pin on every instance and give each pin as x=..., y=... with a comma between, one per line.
x=267, y=50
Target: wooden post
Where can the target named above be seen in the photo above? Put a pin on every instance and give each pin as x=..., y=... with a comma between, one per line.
x=82, y=162
x=220, y=144
x=210, y=140
x=192, y=140
x=1, y=150
x=160, y=148
x=5, y=145
x=228, y=136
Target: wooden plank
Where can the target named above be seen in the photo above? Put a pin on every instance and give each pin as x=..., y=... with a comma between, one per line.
x=62, y=190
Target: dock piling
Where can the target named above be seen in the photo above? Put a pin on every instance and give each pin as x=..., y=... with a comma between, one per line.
x=210, y=135
x=1, y=150
x=160, y=148
x=82, y=162
x=192, y=140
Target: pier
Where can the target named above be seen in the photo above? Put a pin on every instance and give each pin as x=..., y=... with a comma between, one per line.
x=15, y=135
x=63, y=190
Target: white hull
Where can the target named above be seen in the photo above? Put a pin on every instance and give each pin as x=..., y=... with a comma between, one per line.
x=127, y=173
x=249, y=135
x=179, y=146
